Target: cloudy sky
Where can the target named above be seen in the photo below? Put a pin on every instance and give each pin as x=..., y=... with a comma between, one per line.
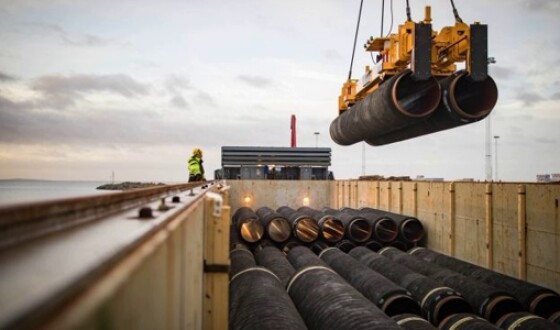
x=91, y=87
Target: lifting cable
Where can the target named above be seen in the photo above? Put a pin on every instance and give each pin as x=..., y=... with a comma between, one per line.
x=355, y=39
x=456, y=13
x=408, y=18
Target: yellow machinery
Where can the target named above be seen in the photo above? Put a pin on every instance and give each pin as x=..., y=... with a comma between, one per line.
x=398, y=51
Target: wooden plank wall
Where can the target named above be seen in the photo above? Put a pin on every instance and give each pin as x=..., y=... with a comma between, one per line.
x=510, y=227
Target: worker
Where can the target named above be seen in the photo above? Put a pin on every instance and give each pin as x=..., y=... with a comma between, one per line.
x=196, y=170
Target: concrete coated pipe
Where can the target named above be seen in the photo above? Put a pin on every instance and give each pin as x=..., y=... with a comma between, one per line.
x=398, y=102
x=465, y=321
x=277, y=227
x=273, y=259
x=326, y=301
x=410, y=228
x=525, y=321
x=248, y=224
x=488, y=301
x=555, y=318
x=535, y=299
x=257, y=298
x=436, y=300
x=358, y=229
x=345, y=245
x=304, y=227
x=384, y=228
x=412, y=322
x=332, y=229
x=391, y=298
x=464, y=101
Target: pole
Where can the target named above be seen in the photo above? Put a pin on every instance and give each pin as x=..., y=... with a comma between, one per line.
x=488, y=139
x=363, y=158
x=496, y=137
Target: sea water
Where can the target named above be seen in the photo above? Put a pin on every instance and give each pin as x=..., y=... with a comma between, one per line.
x=27, y=191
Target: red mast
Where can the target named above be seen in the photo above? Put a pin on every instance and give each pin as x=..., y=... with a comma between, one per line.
x=293, y=128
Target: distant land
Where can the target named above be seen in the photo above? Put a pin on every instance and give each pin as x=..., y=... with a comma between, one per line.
x=129, y=185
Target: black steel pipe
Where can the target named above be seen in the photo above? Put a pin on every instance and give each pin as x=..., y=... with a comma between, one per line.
x=384, y=228
x=411, y=229
x=373, y=245
x=277, y=227
x=358, y=229
x=250, y=304
x=304, y=227
x=465, y=321
x=274, y=260
x=398, y=102
x=244, y=259
x=326, y=301
x=464, y=101
x=436, y=300
x=345, y=245
x=332, y=229
x=389, y=297
x=247, y=223
x=412, y=322
x=287, y=246
x=525, y=321
x=488, y=301
x=403, y=246
x=535, y=299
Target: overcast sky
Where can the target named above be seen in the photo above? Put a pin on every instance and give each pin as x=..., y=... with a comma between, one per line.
x=91, y=87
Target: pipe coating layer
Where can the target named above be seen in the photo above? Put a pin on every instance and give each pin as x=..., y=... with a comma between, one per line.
x=326, y=301
x=412, y=322
x=384, y=228
x=525, y=321
x=248, y=224
x=436, y=300
x=332, y=229
x=398, y=102
x=277, y=227
x=304, y=227
x=389, y=297
x=535, y=299
x=272, y=258
x=488, y=301
x=358, y=229
x=411, y=229
x=464, y=101
x=465, y=321
x=251, y=305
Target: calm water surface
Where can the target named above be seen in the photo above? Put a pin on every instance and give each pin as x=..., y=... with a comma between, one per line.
x=26, y=191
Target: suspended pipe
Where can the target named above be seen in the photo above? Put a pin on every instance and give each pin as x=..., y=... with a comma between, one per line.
x=358, y=229
x=398, y=102
x=464, y=101
x=436, y=300
x=251, y=289
x=389, y=297
x=332, y=229
x=411, y=229
x=326, y=301
x=277, y=227
x=384, y=228
x=488, y=301
x=525, y=321
x=535, y=299
x=465, y=321
x=412, y=322
x=247, y=223
x=304, y=227
x=273, y=259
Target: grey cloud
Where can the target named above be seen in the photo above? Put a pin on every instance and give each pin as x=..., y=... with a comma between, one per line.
x=555, y=96
x=176, y=84
x=87, y=40
x=205, y=98
x=6, y=77
x=546, y=141
x=529, y=98
x=332, y=54
x=179, y=102
x=501, y=72
x=549, y=6
x=255, y=81
x=64, y=90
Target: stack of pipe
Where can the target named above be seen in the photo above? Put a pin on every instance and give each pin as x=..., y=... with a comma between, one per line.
x=436, y=300
x=276, y=226
x=247, y=223
x=488, y=301
x=332, y=229
x=251, y=289
x=304, y=227
x=466, y=321
x=412, y=322
x=326, y=301
x=525, y=321
x=358, y=229
x=535, y=299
